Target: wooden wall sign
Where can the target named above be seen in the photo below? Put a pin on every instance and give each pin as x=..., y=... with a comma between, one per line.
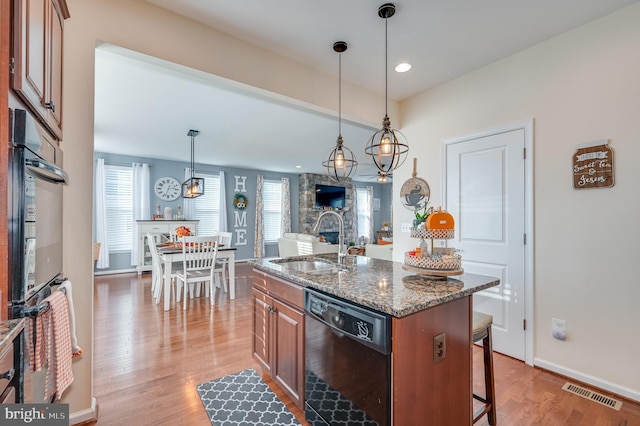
x=593, y=165
x=240, y=211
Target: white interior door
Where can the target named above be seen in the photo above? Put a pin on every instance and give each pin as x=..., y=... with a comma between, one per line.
x=485, y=193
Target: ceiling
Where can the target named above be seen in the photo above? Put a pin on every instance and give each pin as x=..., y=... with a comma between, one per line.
x=144, y=106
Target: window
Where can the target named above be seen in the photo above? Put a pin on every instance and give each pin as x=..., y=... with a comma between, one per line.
x=207, y=207
x=365, y=220
x=118, y=200
x=272, y=196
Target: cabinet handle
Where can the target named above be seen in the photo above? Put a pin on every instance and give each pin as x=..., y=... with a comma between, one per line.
x=8, y=374
x=50, y=105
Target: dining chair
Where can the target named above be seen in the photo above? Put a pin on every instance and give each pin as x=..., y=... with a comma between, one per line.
x=157, y=270
x=199, y=259
x=222, y=265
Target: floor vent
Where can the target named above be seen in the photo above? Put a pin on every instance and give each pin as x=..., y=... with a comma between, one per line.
x=593, y=396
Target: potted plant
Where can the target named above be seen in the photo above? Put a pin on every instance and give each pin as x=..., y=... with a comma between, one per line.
x=422, y=217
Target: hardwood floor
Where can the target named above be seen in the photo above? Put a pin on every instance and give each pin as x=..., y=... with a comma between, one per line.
x=148, y=362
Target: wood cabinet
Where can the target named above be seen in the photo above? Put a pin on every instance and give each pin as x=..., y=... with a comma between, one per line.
x=37, y=58
x=162, y=229
x=278, y=332
x=7, y=374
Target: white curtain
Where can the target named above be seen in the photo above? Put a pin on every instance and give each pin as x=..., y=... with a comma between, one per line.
x=370, y=215
x=188, y=204
x=258, y=248
x=285, y=215
x=222, y=217
x=356, y=230
x=101, y=216
x=140, y=196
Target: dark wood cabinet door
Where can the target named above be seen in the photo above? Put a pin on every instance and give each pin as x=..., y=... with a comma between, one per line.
x=53, y=87
x=278, y=332
x=8, y=396
x=288, y=369
x=262, y=325
x=37, y=58
x=29, y=49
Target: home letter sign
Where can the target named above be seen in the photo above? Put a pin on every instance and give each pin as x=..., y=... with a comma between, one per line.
x=239, y=213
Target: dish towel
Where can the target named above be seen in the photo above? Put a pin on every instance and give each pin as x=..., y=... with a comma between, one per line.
x=59, y=373
x=37, y=340
x=66, y=289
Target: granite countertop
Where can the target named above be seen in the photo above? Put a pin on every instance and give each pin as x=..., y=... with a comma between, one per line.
x=9, y=329
x=380, y=284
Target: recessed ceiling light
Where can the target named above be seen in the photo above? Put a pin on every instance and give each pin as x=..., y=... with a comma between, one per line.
x=298, y=167
x=403, y=67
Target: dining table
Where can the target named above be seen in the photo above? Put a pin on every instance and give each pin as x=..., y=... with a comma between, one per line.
x=169, y=255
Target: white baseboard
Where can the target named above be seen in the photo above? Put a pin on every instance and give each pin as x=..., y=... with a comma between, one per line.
x=114, y=271
x=85, y=415
x=632, y=394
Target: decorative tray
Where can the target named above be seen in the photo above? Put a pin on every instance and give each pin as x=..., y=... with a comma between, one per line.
x=434, y=234
x=437, y=265
x=433, y=272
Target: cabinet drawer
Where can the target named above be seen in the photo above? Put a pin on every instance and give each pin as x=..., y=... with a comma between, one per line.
x=260, y=280
x=9, y=396
x=286, y=291
x=155, y=228
x=6, y=364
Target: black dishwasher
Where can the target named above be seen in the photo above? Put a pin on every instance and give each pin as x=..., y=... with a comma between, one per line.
x=347, y=363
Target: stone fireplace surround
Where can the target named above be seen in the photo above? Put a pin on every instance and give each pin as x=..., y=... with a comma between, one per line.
x=308, y=215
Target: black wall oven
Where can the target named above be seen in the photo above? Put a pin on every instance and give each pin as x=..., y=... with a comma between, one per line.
x=36, y=180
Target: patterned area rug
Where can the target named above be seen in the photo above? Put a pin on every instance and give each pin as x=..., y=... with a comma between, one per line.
x=243, y=399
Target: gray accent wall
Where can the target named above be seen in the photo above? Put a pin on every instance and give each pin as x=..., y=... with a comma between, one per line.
x=121, y=261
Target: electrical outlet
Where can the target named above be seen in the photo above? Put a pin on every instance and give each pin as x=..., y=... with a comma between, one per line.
x=559, y=328
x=405, y=227
x=439, y=348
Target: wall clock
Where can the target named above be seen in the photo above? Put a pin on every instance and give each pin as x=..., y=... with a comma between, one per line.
x=167, y=188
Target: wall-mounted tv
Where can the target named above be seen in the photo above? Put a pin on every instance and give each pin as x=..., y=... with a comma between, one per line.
x=330, y=197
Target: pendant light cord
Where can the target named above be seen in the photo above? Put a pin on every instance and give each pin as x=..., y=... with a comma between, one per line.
x=386, y=66
x=192, y=159
x=340, y=94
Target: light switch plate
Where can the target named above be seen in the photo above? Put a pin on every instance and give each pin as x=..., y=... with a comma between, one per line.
x=405, y=227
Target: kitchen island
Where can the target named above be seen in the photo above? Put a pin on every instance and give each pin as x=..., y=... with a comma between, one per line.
x=425, y=391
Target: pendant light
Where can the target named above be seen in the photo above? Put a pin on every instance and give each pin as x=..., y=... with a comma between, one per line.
x=341, y=162
x=387, y=147
x=382, y=177
x=194, y=186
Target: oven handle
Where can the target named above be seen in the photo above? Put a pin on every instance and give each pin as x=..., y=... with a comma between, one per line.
x=46, y=171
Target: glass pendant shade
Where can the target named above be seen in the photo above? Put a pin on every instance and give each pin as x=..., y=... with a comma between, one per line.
x=194, y=186
x=387, y=147
x=341, y=162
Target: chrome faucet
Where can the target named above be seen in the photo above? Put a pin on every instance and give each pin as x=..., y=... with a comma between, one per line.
x=341, y=252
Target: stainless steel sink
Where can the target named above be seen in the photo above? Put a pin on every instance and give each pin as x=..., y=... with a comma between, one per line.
x=309, y=266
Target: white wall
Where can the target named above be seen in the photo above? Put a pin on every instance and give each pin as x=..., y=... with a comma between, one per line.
x=579, y=87
x=144, y=28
